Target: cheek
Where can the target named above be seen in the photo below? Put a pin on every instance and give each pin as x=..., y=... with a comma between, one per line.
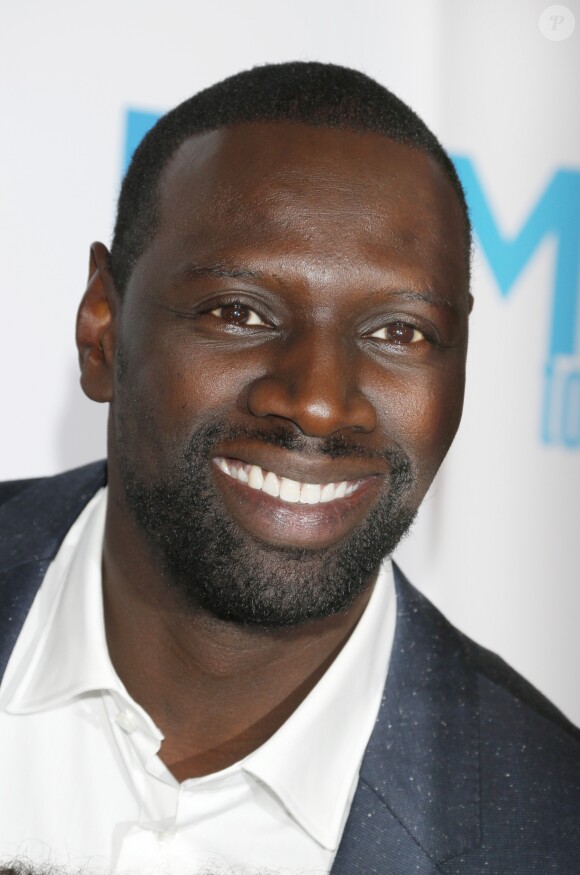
x=205, y=380
x=420, y=410
x=170, y=385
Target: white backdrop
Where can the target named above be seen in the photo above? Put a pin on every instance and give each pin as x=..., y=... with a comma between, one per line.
x=497, y=545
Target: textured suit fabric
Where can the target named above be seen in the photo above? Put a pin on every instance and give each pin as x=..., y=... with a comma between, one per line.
x=468, y=770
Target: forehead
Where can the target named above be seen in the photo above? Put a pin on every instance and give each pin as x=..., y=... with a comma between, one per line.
x=294, y=188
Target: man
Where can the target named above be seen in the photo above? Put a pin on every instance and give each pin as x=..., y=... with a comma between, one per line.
x=212, y=673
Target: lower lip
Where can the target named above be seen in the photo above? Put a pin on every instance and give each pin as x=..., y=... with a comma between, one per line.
x=283, y=524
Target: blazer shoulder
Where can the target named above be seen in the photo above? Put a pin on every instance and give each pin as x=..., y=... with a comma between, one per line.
x=36, y=514
x=494, y=672
x=436, y=631
x=480, y=769
x=10, y=488
x=69, y=482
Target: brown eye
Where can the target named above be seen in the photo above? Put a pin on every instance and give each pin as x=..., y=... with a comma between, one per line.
x=237, y=314
x=399, y=332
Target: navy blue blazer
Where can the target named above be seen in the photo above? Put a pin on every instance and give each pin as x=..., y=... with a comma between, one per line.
x=468, y=770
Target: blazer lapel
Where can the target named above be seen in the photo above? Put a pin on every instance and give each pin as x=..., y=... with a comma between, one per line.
x=418, y=798
x=33, y=525
x=375, y=841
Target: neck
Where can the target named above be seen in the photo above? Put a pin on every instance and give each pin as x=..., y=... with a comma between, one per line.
x=216, y=689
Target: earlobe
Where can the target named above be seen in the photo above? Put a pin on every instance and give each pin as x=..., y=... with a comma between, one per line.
x=96, y=328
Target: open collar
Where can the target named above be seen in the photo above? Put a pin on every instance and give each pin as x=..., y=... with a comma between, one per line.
x=298, y=762
x=418, y=800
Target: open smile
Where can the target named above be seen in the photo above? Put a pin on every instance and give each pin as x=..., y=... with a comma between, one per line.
x=283, y=488
x=282, y=511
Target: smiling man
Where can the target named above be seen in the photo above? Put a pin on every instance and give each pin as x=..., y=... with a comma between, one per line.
x=211, y=661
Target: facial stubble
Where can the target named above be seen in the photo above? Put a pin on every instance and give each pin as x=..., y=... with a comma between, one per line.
x=213, y=563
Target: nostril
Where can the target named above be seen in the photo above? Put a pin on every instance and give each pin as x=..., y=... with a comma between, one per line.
x=316, y=407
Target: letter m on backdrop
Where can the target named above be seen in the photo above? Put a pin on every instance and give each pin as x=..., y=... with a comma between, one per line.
x=556, y=214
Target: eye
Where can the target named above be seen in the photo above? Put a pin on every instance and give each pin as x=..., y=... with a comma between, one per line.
x=399, y=332
x=237, y=314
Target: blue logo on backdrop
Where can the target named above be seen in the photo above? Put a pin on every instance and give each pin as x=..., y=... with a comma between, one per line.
x=137, y=123
x=556, y=215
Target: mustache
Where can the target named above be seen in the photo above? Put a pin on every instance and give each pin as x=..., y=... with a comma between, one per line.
x=335, y=446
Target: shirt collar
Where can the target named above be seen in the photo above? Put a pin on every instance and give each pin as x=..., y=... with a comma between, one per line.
x=62, y=651
x=312, y=762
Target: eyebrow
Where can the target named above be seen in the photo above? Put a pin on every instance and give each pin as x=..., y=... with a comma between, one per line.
x=224, y=269
x=221, y=269
x=425, y=297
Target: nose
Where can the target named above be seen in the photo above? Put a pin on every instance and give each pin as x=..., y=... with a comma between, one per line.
x=313, y=382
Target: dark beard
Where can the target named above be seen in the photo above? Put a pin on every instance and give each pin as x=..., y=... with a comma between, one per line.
x=216, y=565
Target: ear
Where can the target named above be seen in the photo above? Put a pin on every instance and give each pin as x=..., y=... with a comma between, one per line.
x=97, y=326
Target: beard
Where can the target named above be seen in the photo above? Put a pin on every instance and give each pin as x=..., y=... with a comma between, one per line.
x=214, y=564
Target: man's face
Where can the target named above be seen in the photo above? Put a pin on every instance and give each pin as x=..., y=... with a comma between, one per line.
x=290, y=364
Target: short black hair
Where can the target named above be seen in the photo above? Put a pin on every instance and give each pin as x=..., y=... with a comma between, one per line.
x=311, y=93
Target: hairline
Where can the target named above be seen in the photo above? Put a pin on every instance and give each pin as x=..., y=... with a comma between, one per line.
x=156, y=192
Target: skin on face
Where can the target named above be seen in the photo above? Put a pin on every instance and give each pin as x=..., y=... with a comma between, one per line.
x=302, y=278
x=333, y=237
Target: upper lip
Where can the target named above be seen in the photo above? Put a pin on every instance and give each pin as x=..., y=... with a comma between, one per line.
x=303, y=468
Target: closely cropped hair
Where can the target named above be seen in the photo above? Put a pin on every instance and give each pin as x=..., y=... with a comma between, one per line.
x=310, y=93
x=25, y=867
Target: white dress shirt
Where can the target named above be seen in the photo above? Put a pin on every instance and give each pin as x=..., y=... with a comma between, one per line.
x=82, y=785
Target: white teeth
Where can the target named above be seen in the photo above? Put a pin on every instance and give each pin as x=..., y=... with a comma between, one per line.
x=287, y=490
x=310, y=493
x=255, y=477
x=271, y=485
x=327, y=492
